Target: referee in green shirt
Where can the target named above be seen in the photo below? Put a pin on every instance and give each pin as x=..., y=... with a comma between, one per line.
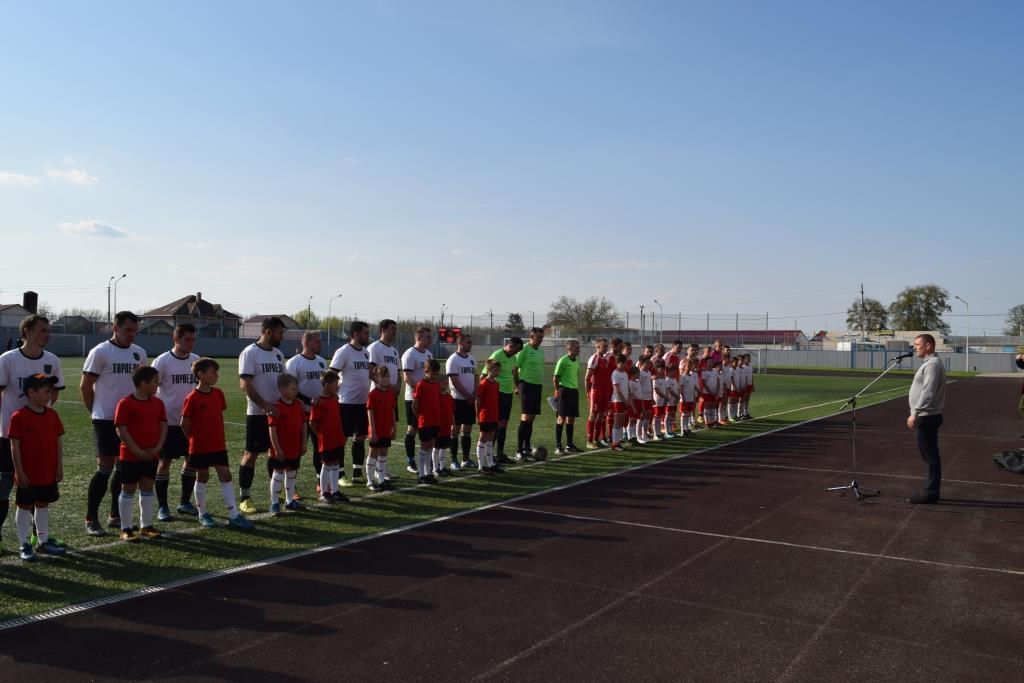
x=567, y=396
x=506, y=390
x=529, y=377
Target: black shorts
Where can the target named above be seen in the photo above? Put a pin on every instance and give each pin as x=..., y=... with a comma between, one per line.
x=410, y=414
x=287, y=463
x=333, y=455
x=504, y=406
x=529, y=396
x=134, y=470
x=176, y=445
x=428, y=433
x=6, y=458
x=28, y=497
x=257, y=434
x=203, y=461
x=488, y=427
x=443, y=442
x=568, y=403
x=465, y=412
x=380, y=443
x=354, y=420
x=108, y=443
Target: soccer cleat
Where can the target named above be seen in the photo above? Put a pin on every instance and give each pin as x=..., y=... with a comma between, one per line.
x=338, y=497
x=559, y=450
x=49, y=547
x=275, y=508
x=503, y=459
x=27, y=553
x=207, y=521
x=617, y=447
x=34, y=540
x=164, y=514
x=411, y=470
x=189, y=509
x=572, y=448
x=374, y=487
x=444, y=472
x=386, y=485
x=603, y=443
x=129, y=535
x=468, y=464
x=247, y=506
x=497, y=470
x=295, y=506
x=325, y=498
x=342, y=481
x=93, y=528
x=455, y=465
x=240, y=522
x=113, y=522
x=149, y=532
x=591, y=446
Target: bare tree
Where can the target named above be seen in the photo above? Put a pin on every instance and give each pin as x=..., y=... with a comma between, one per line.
x=584, y=318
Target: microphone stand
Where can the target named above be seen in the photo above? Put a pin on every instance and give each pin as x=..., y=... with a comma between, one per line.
x=859, y=491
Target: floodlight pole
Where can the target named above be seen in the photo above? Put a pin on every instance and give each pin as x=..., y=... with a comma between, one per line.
x=661, y=318
x=967, y=329
x=331, y=301
x=123, y=276
x=109, y=283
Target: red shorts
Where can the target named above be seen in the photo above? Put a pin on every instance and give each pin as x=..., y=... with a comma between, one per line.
x=735, y=394
x=658, y=411
x=599, y=400
x=750, y=390
x=644, y=405
x=686, y=407
x=619, y=408
x=709, y=399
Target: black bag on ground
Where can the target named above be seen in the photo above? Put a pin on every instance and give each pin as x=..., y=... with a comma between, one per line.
x=1010, y=460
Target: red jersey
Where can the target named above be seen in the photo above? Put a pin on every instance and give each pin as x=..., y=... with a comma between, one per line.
x=382, y=405
x=487, y=394
x=326, y=414
x=601, y=375
x=38, y=436
x=428, y=413
x=143, y=420
x=289, y=428
x=206, y=412
x=672, y=364
x=447, y=414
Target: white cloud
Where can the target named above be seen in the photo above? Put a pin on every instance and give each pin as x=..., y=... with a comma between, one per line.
x=97, y=229
x=198, y=245
x=74, y=175
x=17, y=179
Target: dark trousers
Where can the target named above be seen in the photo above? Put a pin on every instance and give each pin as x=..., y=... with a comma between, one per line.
x=927, y=430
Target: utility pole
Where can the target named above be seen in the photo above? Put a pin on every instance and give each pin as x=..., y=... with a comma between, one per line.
x=109, y=283
x=862, y=331
x=123, y=276
x=309, y=313
x=967, y=330
x=641, y=325
x=491, y=332
x=707, y=328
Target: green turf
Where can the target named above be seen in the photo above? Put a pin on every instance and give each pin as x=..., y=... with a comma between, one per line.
x=103, y=566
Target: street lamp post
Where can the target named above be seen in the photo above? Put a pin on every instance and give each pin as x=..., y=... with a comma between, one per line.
x=533, y=319
x=309, y=313
x=109, y=283
x=661, y=321
x=967, y=330
x=123, y=276
x=329, y=321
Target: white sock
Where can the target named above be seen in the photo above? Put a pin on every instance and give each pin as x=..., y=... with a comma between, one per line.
x=481, y=455
x=124, y=506
x=616, y=435
x=227, y=492
x=371, y=469
x=289, y=485
x=200, y=491
x=335, y=476
x=443, y=458
x=43, y=524
x=424, y=462
x=491, y=462
x=23, y=520
x=325, y=479
x=146, y=499
x=276, y=484
x=382, y=469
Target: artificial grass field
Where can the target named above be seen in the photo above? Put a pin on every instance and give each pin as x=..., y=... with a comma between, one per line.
x=103, y=566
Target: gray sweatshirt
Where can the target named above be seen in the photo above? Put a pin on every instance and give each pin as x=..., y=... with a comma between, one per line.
x=928, y=390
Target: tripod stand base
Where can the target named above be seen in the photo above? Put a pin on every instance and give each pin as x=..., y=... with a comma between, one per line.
x=858, y=491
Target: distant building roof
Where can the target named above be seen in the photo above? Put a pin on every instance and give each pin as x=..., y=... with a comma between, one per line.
x=733, y=336
x=193, y=305
x=6, y=308
x=289, y=322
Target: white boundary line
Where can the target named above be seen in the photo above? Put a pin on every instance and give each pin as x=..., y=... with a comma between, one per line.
x=767, y=541
x=207, y=576
x=865, y=474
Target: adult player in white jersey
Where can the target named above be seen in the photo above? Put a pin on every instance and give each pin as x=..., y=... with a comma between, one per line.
x=308, y=366
x=106, y=379
x=352, y=363
x=259, y=366
x=461, y=371
x=16, y=365
x=414, y=360
x=176, y=382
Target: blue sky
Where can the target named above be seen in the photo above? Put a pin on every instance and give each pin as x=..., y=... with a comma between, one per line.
x=735, y=157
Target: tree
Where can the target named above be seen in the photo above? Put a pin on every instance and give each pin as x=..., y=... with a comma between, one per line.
x=583, y=318
x=874, y=316
x=515, y=324
x=306, y=320
x=93, y=314
x=1015, y=320
x=920, y=308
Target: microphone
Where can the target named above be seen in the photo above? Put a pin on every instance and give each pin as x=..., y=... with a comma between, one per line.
x=908, y=354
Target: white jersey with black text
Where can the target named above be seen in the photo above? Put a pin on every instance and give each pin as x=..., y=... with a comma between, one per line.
x=262, y=366
x=646, y=386
x=414, y=361
x=354, y=367
x=307, y=371
x=727, y=379
x=660, y=391
x=687, y=387
x=672, y=390
x=620, y=387
x=464, y=368
x=386, y=355
x=113, y=367
x=15, y=366
x=176, y=382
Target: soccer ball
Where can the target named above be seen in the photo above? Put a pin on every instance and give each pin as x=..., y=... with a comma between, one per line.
x=540, y=453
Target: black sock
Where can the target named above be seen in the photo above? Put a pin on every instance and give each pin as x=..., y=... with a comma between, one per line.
x=558, y=434
x=568, y=433
x=466, y=442
x=527, y=446
x=521, y=438
x=188, y=485
x=502, y=433
x=245, y=476
x=317, y=463
x=161, y=484
x=97, y=487
x=410, y=448
x=358, y=455
x=115, y=491
x=5, y=505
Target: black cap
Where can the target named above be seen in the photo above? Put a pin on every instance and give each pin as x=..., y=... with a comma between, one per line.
x=37, y=380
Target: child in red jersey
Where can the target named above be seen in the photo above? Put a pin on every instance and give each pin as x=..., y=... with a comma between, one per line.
x=381, y=405
x=426, y=405
x=141, y=423
x=487, y=416
x=288, y=437
x=444, y=435
x=202, y=423
x=38, y=454
x=325, y=419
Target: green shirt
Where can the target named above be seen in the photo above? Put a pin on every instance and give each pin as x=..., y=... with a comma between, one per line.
x=505, y=383
x=530, y=362
x=567, y=370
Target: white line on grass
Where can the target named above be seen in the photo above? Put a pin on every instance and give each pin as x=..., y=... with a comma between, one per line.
x=207, y=576
x=945, y=480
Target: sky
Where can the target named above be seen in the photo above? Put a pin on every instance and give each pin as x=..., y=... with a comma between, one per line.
x=721, y=158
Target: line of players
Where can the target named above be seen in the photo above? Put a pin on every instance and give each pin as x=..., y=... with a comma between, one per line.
x=632, y=403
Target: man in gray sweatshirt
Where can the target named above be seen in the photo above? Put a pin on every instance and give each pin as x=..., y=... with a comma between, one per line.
x=927, y=398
